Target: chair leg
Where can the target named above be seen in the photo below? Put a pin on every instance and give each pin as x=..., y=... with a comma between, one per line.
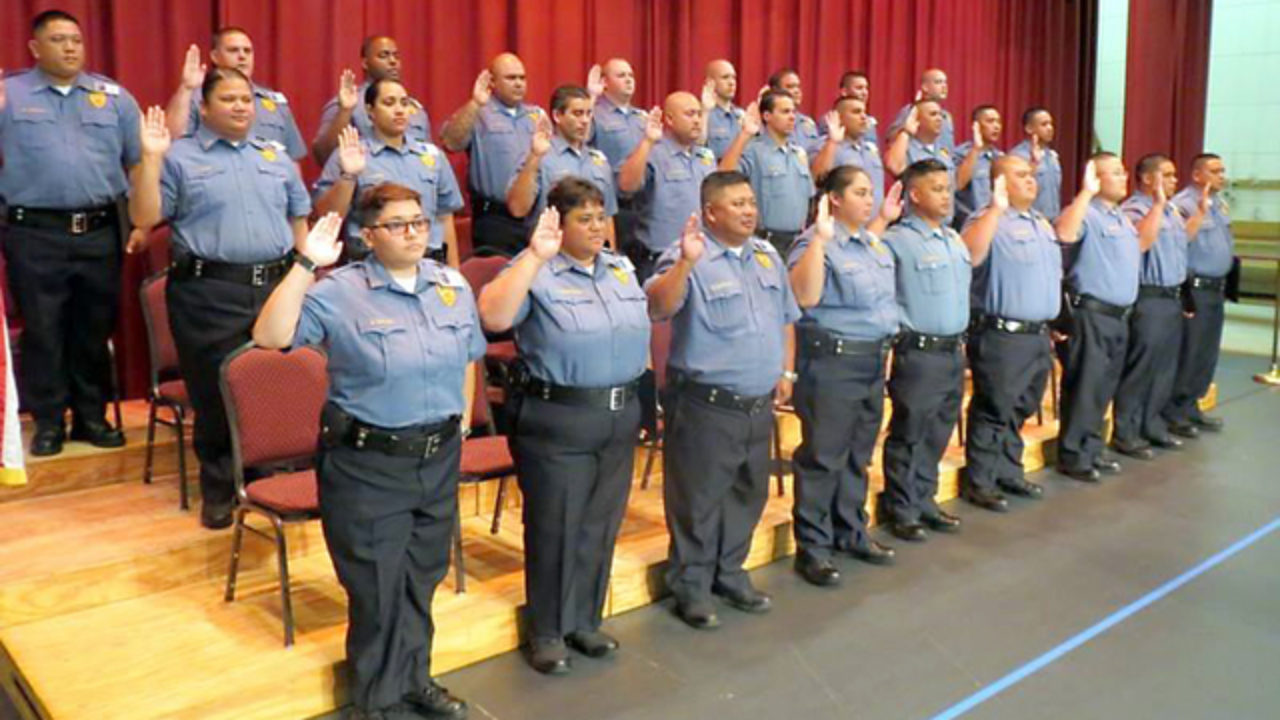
x=179, y=418
x=777, y=457
x=148, y=466
x=960, y=422
x=237, y=539
x=459, y=563
x=115, y=385
x=498, y=506
x=286, y=594
x=1053, y=388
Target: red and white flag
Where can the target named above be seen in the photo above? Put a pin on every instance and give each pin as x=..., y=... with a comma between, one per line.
x=12, y=471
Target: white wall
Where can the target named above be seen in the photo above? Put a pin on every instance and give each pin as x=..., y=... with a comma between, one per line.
x=1113, y=35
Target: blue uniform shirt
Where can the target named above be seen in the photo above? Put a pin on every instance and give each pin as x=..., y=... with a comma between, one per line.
x=933, y=274
x=728, y=330
x=500, y=141
x=782, y=182
x=1165, y=262
x=1021, y=277
x=863, y=153
x=872, y=133
x=722, y=127
x=1109, y=259
x=231, y=202
x=584, y=328
x=977, y=194
x=396, y=358
x=616, y=131
x=917, y=151
x=418, y=131
x=272, y=120
x=858, y=298
x=416, y=165
x=70, y=151
x=672, y=188
x=806, y=134
x=564, y=160
x=947, y=138
x=1048, y=178
x=1209, y=253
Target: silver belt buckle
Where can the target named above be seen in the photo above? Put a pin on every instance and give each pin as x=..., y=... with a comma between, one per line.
x=617, y=398
x=839, y=346
x=259, y=276
x=432, y=445
x=79, y=223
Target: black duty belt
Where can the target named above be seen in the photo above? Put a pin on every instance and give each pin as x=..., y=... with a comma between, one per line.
x=1009, y=325
x=1171, y=292
x=724, y=398
x=481, y=205
x=1202, y=282
x=186, y=267
x=1087, y=302
x=609, y=398
x=422, y=441
x=75, y=222
x=929, y=343
x=820, y=342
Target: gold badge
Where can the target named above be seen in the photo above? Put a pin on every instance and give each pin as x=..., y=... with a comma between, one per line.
x=268, y=154
x=428, y=159
x=268, y=104
x=765, y=261
x=706, y=160
x=413, y=110
x=621, y=273
x=98, y=100
x=448, y=295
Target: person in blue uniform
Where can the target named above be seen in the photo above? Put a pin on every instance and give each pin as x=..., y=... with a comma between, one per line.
x=380, y=60
x=1037, y=149
x=1209, y=259
x=1155, y=328
x=401, y=335
x=973, y=163
x=723, y=119
x=856, y=84
x=237, y=208
x=388, y=154
x=664, y=174
x=843, y=278
x=496, y=127
x=732, y=317
x=272, y=118
x=921, y=139
x=1017, y=291
x=850, y=141
x=933, y=84
x=617, y=127
x=559, y=151
x=806, y=132
x=927, y=382
x=778, y=169
x=582, y=329
x=67, y=137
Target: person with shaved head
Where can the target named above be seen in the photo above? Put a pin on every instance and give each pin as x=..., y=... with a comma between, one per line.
x=616, y=129
x=497, y=127
x=723, y=118
x=933, y=84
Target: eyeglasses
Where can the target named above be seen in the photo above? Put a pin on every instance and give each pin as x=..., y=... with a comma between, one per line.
x=398, y=227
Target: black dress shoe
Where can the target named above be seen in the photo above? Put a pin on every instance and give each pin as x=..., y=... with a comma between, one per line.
x=548, y=656
x=872, y=553
x=909, y=531
x=47, y=441
x=592, y=643
x=941, y=521
x=698, y=615
x=216, y=516
x=1185, y=430
x=992, y=501
x=1164, y=442
x=749, y=600
x=1021, y=488
x=1089, y=475
x=1135, y=449
x=97, y=434
x=434, y=701
x=1212, y=424
x=1106, y=465
x=817, y=572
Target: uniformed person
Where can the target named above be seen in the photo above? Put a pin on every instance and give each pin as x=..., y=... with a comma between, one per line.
x=616, y=128
x=933, y=84
x=927, y=381
x=973, y=163
x=778, y=169
x=232, y=47
x=723, y=119
x=1037, y=123
x=388, y=154
x=496, y=126
x=380, y=60
x=732, y=350
x=919, y=140
x=560, y=152
x=1209, y=258
x=806, y=132
x=582, y=328
x=66, y=136
x=237, y=208
x=1155, y=328
x=401, y=335
x=843, y=278
x=849, y=142
x=1102, y=285
x=665, y=173
x=856, y=84
x=1017, y=281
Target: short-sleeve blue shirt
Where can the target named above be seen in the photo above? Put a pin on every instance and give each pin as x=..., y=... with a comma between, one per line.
x=933, y=275
x=858, y=298
x=672, y=187
x=1210, y=252
x=1109, y=258
x=782, y=182
x=1021, y=276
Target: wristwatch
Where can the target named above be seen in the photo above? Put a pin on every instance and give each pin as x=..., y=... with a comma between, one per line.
x=790, y=375
x=305, y=263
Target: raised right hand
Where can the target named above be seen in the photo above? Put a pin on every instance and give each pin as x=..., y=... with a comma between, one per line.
x=835, y=128
x=2, y=90
x=1000, y=194
x=708, y=95
x=912, y=124
x=348, y=95
x=547, y=235
x=691, y=243
x=595, y=81
x=1037, y=150
x=322, y=246
x=653, y=124
x=541, y=142
x=824, y=228
x=481, y=91
x=192, y=69
x=751, y=122
x=1092, y=184
x=154, y=134
x=351, y=156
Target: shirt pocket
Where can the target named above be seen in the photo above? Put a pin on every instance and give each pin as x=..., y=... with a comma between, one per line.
x=35, y=127
x=101, y=127
x=772, y=294
x=676, y=173
x=1023, y=250
x=203, y=184
x=935, y=274
x=632, y=304
x=451, y=332
x=775, y=179
x=577, y=312
x=273, y=184
x=381, y=342
x=726, y=307
x=853, y=284
x=613, y=125
x=428, y=186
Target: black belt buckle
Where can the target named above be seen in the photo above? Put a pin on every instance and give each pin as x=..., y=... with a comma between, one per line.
x=79, y=223
x=921, y=342
x=617, y=398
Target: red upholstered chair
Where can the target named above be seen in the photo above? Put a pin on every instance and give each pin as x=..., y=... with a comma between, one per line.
x=167, y=387
x=273, y=402
x=484, y=457
x=501, y=353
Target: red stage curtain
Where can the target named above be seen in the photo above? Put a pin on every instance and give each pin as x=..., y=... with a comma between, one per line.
x=1009, y=52
x=1167, y=79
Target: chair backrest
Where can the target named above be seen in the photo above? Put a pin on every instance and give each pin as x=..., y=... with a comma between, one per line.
x=480, y=270
x=659, y=349
x=155, y=314
x=273, y=402
x=159, y=248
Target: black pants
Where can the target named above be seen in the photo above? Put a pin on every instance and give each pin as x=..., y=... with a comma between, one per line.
x=1010, y=371
x=715, y=485
x=840, y=401
x=575, y=467
x=1198, y=356
x=495, y=232
x=67, y=288
x=388, y=522
x=926, y=389
x=209, y=319
x=1150, y=366
x=1095, y=361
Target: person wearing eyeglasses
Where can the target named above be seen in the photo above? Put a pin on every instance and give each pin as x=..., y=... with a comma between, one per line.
x=401, y=334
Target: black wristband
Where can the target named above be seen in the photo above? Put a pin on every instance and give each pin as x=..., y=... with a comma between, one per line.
x=305, y=263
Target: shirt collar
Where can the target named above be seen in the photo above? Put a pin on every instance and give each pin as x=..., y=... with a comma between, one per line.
x=915, y=222
x=208, y=138
x=1101, y=206
x=377, y=275
x=514, y=112
x=562, y=263
x=377, y=145
x=44, y=81
x=560, y=146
